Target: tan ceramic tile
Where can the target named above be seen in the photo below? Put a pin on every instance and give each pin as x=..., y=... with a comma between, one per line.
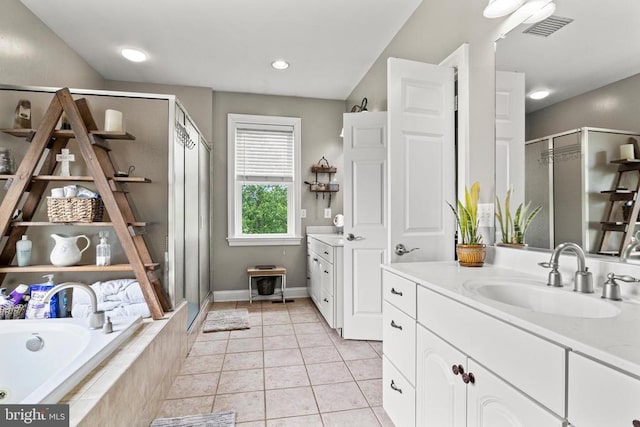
x=288, y=357
x=244, y=344
x=372, y=390
x=280, y=342
x=251, y=424
x=377, y=346
x=236, y=361
x=339, y=397
x=200, y=364
x=382, y=416
x=366, y=369
x=276, y=330
x=247, y=406
x=360, y=417
x=285, y=377
x=329, y=373
x=273, y=306
x=314, y=340
x=353, y=350
x=308, y=328
x=213, y=336
x=241, y=381
x=313, y=355
x=224, y=305
x=275, y=317
x=193, y=385
x=303, y=316
x=187, y=406
x=252, y=332
x=290, y=402
x=255, y=318
x=303, y=421
x=203, y=348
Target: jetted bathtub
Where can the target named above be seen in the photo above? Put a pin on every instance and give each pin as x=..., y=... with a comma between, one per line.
x=43, y=360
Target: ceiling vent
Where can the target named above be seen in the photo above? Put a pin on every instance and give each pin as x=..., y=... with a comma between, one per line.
x=548, y=26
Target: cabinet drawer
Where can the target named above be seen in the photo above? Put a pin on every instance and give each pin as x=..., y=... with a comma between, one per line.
x=326, y=307
x=326, y=274
x=399, y=292
x=398, y=396
x=601, y=396
x=322, y=249
x=399, y=340
x=533, y=365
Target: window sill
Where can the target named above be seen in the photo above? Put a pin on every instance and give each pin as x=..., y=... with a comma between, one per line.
x=264, y=241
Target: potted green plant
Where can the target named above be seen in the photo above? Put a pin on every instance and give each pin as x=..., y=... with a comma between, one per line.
x=514, y=227
x=470, y=249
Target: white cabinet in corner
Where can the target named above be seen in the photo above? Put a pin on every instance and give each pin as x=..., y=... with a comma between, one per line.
x=325, y=277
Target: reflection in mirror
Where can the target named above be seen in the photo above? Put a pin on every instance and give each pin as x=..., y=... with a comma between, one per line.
x=562, y=151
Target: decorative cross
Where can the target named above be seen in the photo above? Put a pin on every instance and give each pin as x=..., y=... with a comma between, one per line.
x=64, y=158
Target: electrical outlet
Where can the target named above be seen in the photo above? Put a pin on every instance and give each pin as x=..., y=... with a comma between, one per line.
x=303, y=213
x=485, y=214
x=327, y=213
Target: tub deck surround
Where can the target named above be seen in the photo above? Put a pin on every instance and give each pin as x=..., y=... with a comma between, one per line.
x=613, y=340
x=69, y=351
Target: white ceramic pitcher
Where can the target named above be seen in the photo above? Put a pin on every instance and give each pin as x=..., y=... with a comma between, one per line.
x=66, y=251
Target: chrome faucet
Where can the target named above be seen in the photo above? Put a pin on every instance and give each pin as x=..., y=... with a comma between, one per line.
x=96, y=318
x=611, y=288
x=633, y=245
x=583, y=277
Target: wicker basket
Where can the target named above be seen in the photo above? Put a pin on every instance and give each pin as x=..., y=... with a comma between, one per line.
x=74, y=209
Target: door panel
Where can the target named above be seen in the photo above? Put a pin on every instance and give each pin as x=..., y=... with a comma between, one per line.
x=421, y=160
x=365, y=210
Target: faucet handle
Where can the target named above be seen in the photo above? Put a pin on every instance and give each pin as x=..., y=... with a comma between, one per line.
x=548, y=265
x=624, y=278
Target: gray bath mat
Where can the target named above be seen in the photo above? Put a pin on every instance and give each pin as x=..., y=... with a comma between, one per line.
x=221, y=419
x=226, y=320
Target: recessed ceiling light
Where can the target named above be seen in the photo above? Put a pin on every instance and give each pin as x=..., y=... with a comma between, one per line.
x=280, y=64
x=134, y=55
x=539, y=94
x=500, y=8
x=538, y=11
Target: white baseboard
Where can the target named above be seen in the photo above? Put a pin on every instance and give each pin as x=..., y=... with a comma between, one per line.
x=243, y=295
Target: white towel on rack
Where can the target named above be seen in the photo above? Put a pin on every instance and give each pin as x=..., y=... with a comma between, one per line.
x=122, y=290
x=112, y=309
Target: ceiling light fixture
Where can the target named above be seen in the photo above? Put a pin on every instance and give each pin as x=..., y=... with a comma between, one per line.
x=280, y=64
x=134, y=55
x=538, y=10
x=500, y=8
x=539, y=94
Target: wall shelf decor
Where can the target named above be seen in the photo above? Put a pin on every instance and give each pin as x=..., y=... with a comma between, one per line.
x=328, y=187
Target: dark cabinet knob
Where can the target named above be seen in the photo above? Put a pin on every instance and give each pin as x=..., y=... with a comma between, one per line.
x=393, y=291
x=395, y=325
x=457, y=369
x=326, y=300
x=395, y=387
x=468, y=378
x=635, y=423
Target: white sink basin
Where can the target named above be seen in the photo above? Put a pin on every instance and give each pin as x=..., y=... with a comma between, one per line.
x=539, y=298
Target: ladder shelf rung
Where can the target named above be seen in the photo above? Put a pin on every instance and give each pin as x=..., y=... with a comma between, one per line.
x=77, y=268
x=71, y=224
x=68, y=133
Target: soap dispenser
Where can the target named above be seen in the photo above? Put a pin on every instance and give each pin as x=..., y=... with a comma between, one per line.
x=103, y=250
x=23, y=251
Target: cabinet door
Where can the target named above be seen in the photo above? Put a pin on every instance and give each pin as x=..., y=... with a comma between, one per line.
x=601, y=396
x=491, y=402
x=315, y=278
x=440, y=394
x=326, y=277
x=398, y=396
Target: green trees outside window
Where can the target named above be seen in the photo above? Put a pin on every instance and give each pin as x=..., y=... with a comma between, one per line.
x=264, y=209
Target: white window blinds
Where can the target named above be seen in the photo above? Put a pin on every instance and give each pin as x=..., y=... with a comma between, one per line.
x=264, y=153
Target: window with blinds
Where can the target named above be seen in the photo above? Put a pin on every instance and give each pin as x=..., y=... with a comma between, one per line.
x=264, y=180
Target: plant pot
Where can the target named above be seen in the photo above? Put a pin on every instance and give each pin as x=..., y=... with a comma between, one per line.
x=471, y=255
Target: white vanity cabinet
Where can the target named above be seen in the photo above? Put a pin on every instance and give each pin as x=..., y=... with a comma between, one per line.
x=324, y=264
x=600, y=395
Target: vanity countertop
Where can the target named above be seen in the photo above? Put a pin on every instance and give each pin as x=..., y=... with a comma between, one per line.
x=614, y=340
x=329, y=239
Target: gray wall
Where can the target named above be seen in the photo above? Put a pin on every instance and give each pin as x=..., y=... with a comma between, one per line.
x=321, y=124
x=615, y=106
x=435, y=30
x=31, y=54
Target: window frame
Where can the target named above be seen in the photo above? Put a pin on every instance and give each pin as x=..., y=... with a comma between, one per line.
x=235, y=237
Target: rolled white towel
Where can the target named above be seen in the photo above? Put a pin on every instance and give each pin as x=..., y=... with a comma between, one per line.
x=125, y=290
x=112, y=309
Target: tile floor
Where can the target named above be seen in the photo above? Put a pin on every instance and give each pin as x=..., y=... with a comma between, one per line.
x=289, y=369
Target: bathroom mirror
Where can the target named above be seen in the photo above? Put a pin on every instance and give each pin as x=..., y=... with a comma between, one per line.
x=587, y=56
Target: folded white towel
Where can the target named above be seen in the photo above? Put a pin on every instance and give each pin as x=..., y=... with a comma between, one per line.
x=112, y=309
x=124, y=290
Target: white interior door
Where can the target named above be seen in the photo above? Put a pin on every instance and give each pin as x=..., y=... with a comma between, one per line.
x=365, y=210
x=421, y=160
x=510, y=135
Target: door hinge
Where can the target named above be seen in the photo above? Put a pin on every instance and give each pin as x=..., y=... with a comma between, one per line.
x=455, y=103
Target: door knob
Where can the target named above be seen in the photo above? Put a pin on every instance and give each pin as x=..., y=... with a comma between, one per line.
x=402, y=249
x=351, y=237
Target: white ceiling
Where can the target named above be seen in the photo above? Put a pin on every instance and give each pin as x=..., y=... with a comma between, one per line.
x=228, y=45
x=601, y=46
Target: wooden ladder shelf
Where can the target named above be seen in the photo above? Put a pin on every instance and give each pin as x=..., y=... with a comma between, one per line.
x=618, y=196
x=95, y=153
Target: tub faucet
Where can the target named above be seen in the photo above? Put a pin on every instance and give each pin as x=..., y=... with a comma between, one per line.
x=583, y=277
x=96, y=318
x=633, y=245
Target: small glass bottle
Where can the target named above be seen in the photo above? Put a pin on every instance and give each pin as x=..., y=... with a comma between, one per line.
x=103, y=250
